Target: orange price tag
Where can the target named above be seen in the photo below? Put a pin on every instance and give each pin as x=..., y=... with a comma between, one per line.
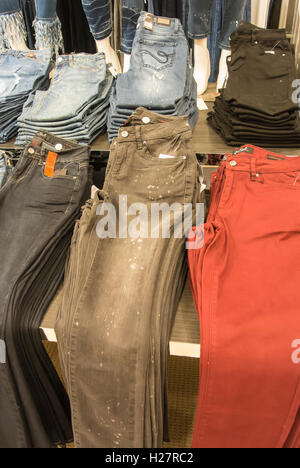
x=50, y=164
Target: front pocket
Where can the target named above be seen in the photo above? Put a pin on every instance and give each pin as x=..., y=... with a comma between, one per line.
x=157, y=55
x=279, y=181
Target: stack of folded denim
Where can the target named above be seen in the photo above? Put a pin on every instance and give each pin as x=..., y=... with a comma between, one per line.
x=20, y=74
x=39, y=206
x=257, y=105
x=114, y=347
x=160, y=77
x=76, y=104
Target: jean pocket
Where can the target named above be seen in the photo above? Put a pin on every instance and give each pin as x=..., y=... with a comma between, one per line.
x=157, y=55
x=22, y=169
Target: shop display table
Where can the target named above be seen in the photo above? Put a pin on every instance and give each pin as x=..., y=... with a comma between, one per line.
x=185, y=340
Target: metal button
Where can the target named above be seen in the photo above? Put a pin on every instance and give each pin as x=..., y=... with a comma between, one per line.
x=59, y=60
x=124, y=134
x=146, y=120
x=58, y=147
x=30, y=150
x=233, y=163
x=258, y=176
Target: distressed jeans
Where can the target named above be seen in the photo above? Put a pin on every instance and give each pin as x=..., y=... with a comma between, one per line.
x=98, y=13
x=199, y=21
x=114, y=346
x=12, y=25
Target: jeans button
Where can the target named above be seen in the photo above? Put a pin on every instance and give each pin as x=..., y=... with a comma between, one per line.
x=233, y=163
x=124, y=134
x=58, y=147
x=146, y=120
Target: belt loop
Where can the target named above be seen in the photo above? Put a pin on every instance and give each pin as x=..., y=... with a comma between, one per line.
x=254, y=175
x=138, y=135
x=253, y=171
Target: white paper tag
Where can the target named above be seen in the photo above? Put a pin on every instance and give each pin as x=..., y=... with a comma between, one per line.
x=270, y=52
x=2, y=352
x=201, y=104
x=166, y=156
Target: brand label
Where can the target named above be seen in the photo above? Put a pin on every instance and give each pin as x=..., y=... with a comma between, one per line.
x=50, y=164
x=149, y=22
x=244, y=150
x=164, y=21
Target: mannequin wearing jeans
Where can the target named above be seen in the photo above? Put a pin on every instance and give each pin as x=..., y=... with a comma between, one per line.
x=99, y=18
x=12, y=26
x=199, y=29
x=98, y=13
x=47, y=26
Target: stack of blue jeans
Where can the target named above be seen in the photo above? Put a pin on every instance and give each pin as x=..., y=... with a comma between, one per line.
x=76, y=104
x=160, y=76
x=20, y=74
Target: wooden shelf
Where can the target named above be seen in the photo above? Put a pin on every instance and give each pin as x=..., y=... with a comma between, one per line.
x=205, y=140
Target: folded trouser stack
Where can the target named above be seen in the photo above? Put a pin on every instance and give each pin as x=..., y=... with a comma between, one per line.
x=246, y=290
x=76, y=104
x=20, y=74
x=160, y=61
x=259, y=104
x=121, y=292
x=39, y=206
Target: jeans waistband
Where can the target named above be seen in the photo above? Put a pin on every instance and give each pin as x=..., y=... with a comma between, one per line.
x=144, y=125
x=259, y=161
x=248, y=32
x=67, y=151
x=45, y=54
x=92, y=60
x=160, y=25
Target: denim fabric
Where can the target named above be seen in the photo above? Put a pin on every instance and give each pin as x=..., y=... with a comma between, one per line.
x=83, y=108
x=114, y=347
x=20, y=74
x=131, y=10
x=160, y=61
x=37, y=217
x=215, y=36
x=46, y=9
x=9, y=6
x=99, y=17
x=199, y=24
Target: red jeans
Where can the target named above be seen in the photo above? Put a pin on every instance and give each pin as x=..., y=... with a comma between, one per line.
x=246, y=287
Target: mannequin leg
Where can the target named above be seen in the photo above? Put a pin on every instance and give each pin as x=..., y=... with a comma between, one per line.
x=199, y=21
x=12, y=27
x=131, y=10
x=201, y=65
x=47, y=26
x=235, y=11
x=223, y=69
x=99, y=19
x=111, y=55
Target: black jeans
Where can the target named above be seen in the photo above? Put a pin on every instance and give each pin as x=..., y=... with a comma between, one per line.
x=39, y=206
